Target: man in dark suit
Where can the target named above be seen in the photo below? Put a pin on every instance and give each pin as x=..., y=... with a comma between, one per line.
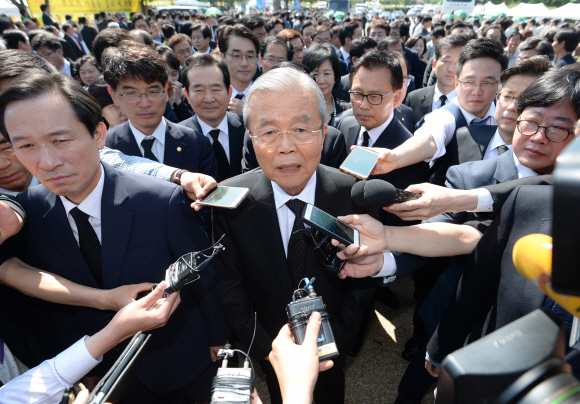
x=72, y=41
x=267, y=259
x=425, y=100
x=358, y=47
x=142, y=100
x=46, y=19
x=207, y=81
x=565, y=42
x=88, y=33
x=348, y=33
x=94, y=225
x=50, y=48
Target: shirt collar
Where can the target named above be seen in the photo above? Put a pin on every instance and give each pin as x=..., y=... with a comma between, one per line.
x=236, y=92
x=306, y=196
x=450, y=97
x=496, y=141
x=470, y=117
x=376, y=132
x=205, y=128
x=91, y=205
x=66, y=68
x=158, y=134
x=344, y=53
x=522, y=170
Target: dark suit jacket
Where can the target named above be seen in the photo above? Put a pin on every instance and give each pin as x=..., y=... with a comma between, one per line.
x=254, y=277
x=333, y=151
x=501, y=192
x=421, y=101
x=78, y=52
x=67, y=50
x=417, y=67
x=341, y=91
x=394, y=135
x=565, y=61
x=492, y=293
x=46, y=19
x=345, y=66
x=184, y=147
x=236, y=131
x=403, y=114
x=89, y=34
x=146, y=224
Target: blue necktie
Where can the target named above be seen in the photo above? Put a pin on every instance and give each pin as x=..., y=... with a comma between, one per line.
x=480, y=123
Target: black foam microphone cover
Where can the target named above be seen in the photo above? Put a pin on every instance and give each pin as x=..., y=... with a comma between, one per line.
x=357, y=193
x=379, y=193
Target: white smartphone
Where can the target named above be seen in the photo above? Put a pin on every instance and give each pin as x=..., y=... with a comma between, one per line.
x=360, y=162
x=331, y=226
x=225, y=197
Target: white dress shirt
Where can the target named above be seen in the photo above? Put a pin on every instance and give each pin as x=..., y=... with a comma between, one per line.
x=223, y=137
x=158, y=147
x=437, y=98
x=33, y=182
x=285, y=215
x=91, y=205
x=45, y=384
x=494, y=143
x=66, y=68
x=236, y=92
x=440, y=125
x=374, y=133
x=208, y=50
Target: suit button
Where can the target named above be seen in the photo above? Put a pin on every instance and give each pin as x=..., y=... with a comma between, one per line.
x=179, y=149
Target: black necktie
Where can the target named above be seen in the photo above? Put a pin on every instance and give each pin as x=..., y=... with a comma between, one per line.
x=366, y=139
x=220, y=155
x=147, y=144
x=443, y=99
x=297, y=247
x=501, y=149
x=89, y=244
x=239, y=96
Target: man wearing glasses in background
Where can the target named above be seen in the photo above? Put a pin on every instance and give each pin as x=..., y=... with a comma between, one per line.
x=240, y=48
x=266, y=259
x=480, y=65
x=274, y=50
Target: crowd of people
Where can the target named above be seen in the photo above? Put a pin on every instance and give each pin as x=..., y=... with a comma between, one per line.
x=111, y=132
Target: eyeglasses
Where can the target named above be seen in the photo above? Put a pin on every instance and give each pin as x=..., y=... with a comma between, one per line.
x=373, y=99
x=238, y=58
x=273, y=138
x=407, y=82
x=46, y=55
x=486, y=85
x=556, y=134
x=506, y=98
x=186, y=51
x=273, y=61
x=133, y=96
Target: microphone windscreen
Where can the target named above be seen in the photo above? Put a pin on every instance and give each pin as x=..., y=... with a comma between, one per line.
x=357, y=193
x=379, y=193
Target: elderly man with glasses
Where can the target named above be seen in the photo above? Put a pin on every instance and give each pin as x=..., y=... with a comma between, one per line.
x=266, y=258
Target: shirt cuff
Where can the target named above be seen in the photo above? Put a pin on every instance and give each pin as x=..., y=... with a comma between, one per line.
x=72, y=364
x=165, y=172
x=484, y=201
x=389, y=270
x=437, y=365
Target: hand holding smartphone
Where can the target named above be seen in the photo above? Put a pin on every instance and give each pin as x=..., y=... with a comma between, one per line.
x=224, y=197
x=360, y=162
x=330, y=225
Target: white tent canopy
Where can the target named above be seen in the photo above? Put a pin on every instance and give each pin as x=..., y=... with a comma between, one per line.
x=192, y=3
x=9, y=9
x=529, y=10
x=490, y=8
x=570, y=11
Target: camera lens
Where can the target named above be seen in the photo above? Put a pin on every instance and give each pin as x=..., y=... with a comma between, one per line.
x=560, y=389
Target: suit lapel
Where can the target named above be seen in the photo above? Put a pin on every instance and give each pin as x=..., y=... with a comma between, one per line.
x=115, y=227
x=126, y=141
x=352, y=136
x=505, y=169
x=236, y=143
x=427, y=102
x=389, y=134
x=174, y=147
x=264, y=212
x=59, y=226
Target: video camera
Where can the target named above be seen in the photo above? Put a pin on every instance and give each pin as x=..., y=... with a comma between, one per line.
x=523, y=362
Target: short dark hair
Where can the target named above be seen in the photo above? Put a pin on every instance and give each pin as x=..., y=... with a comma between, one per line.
x=271, y=24
x=82, y=20
x=168, y=30
x=347, y=31
x=403, y=27
x=321, y=29
x=427, y=18
x=239, y=31
x=170, y=59
x=175, y=39
x=13, y=36
x=43, y=7
x=100, y=92
x=108, y=38
x=380, y=24
x=505, y=23
x=390, y=41
x=335, y=31
x=306, y=25
x=205, y=31
x=66, y=26
x=360, y=45
x=380, y=60
x=450, y=42
x=46, y=40
x=482, y=48
x=570, y=38
x=515, y=33
x=145, y=36
x=252, y=21
x=277, y=40
x=136, y=17
x=540, y=45
x=137, y=62
x=555, y=87
x=14, y=63
x=318, y=54
x=203, y=60
x=34, y=85
x=531, y=67
x=438, y=32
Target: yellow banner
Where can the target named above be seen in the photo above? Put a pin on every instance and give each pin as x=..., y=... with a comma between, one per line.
x=85, y=6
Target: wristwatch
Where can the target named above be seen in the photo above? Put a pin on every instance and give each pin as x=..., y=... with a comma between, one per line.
x=176, y=176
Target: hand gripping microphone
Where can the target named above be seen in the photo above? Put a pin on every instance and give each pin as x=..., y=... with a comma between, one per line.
x=532, y=257
x=379, y=193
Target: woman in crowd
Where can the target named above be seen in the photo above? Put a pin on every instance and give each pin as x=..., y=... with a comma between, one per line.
x=87, y=70
x=324, y=66
x=418, y=43
x=175, y=93
x=112, y=114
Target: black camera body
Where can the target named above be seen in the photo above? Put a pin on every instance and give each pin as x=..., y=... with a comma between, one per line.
x=304, y=302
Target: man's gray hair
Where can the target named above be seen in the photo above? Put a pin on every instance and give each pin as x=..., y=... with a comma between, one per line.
x=282, y=80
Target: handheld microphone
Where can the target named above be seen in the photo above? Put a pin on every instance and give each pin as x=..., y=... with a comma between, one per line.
x=532, y=257
x=379, y=193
